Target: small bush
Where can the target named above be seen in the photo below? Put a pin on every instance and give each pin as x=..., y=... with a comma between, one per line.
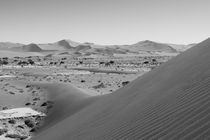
x=20, y=126
x=27, y=104
x=125, y=83
x=3, y=131
x=29, y=123
x=44, y=104
x=101, y=85
x=16, y=136
x=12, y=121
x=33, y=130
x=11, y=93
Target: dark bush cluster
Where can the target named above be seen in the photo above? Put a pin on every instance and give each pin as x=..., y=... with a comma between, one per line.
x=3, y=131
x=16, y=136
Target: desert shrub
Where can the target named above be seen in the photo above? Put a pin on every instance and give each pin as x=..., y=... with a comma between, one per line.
x=16, y=136
x=111, y=62
x=29, y=123
x=51, y=63
x=44, y=104
x=5, y=58
x=62, y=62
x=33, y=130
x=20, y=126
x=31, y=62
x=4, y=62
x=11, y=93
x=101, y=85
x=27, y=104
x=82, y=81
x=101, y=62
x=154, y=60
x=146, y=62
x=22, y=63
x=125, y=83
x=3, y=131
x=36, y=99
x=28, y=86
x=4, y=108
x=12, y=121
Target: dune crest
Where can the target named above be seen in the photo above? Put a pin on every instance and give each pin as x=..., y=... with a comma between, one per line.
x=66, y=100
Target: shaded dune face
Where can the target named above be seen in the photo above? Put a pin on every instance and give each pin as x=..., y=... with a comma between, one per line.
x=152, y=46
x=170, y=102
x=31, y=48
x=65, y=44
x=66, y=100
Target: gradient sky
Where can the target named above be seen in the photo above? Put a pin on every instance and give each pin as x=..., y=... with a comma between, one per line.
x=104, y=21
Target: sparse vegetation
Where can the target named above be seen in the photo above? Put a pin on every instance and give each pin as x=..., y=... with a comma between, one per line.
x=16, y=136
x=3, y=131
x=29, y=123
x=101, y=85
x=12, y=121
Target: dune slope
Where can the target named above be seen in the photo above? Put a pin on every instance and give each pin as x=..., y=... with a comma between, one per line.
x=152, y=46
x=66, y=101
x=170, y=102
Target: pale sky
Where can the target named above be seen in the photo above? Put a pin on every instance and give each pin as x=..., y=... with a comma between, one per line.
x=104, y=21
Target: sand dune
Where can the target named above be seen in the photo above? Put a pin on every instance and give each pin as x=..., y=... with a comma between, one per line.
x=66, y=100
x=91, y=48
x=170, y=102
x=151, y=46
x=65, y=44
x=6, y=53
x=9, y=45
x=82, y=47
x=29, y=48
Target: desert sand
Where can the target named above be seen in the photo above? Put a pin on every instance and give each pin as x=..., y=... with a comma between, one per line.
x=169, y=102
x=106, y=94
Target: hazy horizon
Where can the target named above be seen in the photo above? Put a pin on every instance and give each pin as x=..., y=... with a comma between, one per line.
x=107, y=22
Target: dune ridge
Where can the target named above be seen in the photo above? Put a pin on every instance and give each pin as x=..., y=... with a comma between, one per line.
x=170, y=102
x=66, y=101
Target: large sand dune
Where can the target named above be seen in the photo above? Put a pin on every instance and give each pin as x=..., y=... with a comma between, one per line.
x=170, y=102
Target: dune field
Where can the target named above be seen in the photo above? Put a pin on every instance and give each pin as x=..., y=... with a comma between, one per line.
x=107, y=94
x=170, y=102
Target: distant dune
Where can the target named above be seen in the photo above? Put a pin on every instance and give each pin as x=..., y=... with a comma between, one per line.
x=65, y=44
x=90, y=48
x=27, y=48
x=8, y=45
x=151, y=46
x=31, y=48
x=82, y=47
x=170, y=102
x=7, y=53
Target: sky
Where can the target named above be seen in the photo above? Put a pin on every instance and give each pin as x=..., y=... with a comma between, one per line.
x=104, y=21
